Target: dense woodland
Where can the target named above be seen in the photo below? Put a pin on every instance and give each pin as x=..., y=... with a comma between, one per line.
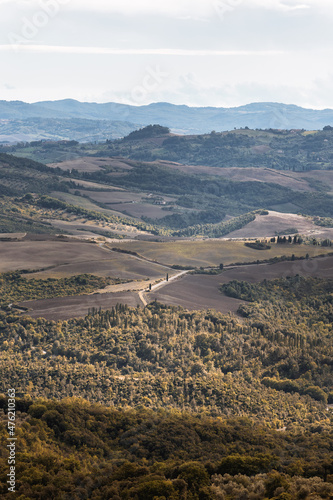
x=163, y=356
x=77, y=450
x=201, y=404
x=15, y=287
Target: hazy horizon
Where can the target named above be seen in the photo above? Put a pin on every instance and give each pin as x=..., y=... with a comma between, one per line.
x=171, y=103
x=220, y=53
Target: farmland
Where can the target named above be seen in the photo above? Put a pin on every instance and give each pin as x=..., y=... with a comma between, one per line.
x=83, y=202
x=56, y=258
x=279, y=223
x=88, y=164
x=206, y=253
x=202, y=292
x=73, y=307
x=87, y=198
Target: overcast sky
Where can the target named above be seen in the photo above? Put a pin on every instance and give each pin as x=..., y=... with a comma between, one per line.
x=195, y=52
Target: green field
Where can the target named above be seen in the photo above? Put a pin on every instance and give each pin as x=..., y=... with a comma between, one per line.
x=211, y=253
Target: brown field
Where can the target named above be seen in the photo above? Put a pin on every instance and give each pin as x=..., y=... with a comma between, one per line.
x=293, y=180
x=207, y=253
x=190, y=291
x=120, y=196
x=119, y=266
x=91, y=164
x=81, y=202
x=95, y=185
x=127, y=202
x=75, y=227
x=71, y=258
x=195, y=292
x=111, y=197
x=141, y=209
x=324, y=176
x=119, y=203
x=64, y=308
x=321, y=267
x=202, y=291
x=78, y=227
x=40, y=254
x=267, y=225
x=84, y=164
x=12, y=236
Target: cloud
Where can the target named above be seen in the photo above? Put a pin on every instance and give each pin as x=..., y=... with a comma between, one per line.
x=196, y=6
x=184, y=8
x=281, y=5
x=7, y=86
x=61, y=49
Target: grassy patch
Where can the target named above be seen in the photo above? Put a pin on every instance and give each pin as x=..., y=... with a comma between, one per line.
x=212, y=253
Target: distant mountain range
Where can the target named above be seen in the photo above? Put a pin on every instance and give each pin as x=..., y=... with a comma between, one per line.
x=50, y=119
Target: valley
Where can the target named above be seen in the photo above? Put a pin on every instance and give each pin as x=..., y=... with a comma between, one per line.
x=160, y=303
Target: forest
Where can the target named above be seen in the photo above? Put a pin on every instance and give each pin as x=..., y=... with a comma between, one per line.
x=15, y=287
x=196, y=405
x=294, y=150
x=74, y=449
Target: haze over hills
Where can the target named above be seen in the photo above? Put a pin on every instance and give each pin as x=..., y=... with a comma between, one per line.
x=180, y=118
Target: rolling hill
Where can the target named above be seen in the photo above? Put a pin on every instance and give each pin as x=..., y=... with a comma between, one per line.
x=182, y=119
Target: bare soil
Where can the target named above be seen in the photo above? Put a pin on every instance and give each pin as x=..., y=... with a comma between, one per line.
x=277, y=222
x=141, y=209
x=293, y=180
x=68, y=258
x=91, y=164
x=202, y=291
x=110, y=197
x=195, y=292
x=64, y=308
x=95, y=185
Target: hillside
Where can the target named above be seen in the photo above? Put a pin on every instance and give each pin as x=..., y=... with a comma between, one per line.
x=56, y=129
x=123, y=394
x=291, y=150
x=182, y=119
x=183, y=186
x=282, y=150
x=196, y=404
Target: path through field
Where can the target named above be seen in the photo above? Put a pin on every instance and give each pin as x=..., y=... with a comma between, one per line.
x=160, y=285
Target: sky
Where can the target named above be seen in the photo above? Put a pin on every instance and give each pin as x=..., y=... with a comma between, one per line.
x=195, y=52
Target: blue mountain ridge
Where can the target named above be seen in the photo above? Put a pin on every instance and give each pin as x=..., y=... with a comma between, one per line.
x=180, y=118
